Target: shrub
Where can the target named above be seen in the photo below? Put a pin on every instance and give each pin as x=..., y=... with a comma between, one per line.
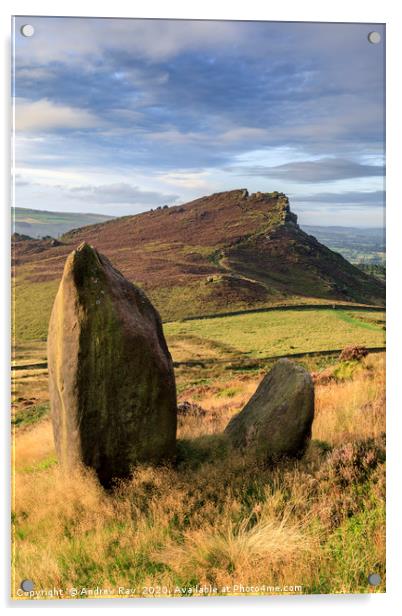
x=353, y=353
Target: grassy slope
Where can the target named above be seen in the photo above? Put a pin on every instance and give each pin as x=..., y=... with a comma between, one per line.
x=31, y=309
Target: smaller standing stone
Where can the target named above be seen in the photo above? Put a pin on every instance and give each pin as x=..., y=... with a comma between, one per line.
x=276, y=421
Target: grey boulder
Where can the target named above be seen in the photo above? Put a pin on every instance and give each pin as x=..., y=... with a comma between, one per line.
x=276, y=421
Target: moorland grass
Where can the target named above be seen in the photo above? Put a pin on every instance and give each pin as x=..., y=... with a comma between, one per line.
x=31, y=415
x=216, y=517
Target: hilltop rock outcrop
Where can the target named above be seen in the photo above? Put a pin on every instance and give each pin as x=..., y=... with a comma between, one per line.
x=276, y=421
x=111, y=380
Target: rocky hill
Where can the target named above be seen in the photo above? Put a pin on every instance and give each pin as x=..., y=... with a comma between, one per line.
x=227, y=251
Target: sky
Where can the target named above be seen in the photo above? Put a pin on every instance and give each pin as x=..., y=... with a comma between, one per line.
x=117, y=116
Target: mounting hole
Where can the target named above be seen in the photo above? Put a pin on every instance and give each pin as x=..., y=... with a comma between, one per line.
x=374, y=38
x=27, y=585
x=374, y=579
x=27, y=30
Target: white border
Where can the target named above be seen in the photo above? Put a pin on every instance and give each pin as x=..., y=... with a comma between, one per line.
x=285, y=10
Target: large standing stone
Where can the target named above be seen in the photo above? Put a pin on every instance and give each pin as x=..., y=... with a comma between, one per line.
x=111, y=380
x=277, y=419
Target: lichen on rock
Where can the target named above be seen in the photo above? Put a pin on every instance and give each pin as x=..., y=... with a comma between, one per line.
x=276, y=421
x=111, y=380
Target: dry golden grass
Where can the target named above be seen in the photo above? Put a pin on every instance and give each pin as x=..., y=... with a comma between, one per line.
x=33, y=445
x=220, y=402
x=354, y=408
x=264, y=540
x=53, y=502
x=217, y=517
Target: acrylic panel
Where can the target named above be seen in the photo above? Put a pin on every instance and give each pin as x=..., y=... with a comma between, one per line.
x=198, y=344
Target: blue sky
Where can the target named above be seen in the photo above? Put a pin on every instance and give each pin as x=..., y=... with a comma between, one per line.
x=117, y=116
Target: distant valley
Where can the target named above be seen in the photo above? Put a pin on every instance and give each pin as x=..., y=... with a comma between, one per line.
x=357, y=245
x=41, y=223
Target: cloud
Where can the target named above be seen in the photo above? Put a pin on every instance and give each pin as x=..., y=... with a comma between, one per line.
x=35, y=73
x=120, y=193
x=314, y=171
x=233, y=135
x=152, y=39
x=197, y=179
x=19, y=181
x=373, y=198
x=214, y=89
x=160, y=100
x=44, y=115
x=244, y=133
x=176, y=136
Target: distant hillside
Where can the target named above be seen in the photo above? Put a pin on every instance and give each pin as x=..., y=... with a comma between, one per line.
x=378, y=270
x=228, y=251
x=355, y=244
x=39, y=223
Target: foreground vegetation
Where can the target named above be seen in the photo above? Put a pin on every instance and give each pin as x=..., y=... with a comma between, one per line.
x=216, y=519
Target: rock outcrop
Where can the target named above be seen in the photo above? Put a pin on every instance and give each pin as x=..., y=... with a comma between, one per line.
x=111, y=379
x=276, y=421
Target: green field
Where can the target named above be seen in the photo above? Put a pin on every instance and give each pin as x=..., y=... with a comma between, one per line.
x=249, y=335
x=32, y=305
x=274, y=333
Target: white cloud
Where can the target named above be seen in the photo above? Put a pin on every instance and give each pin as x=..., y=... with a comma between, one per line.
x=120, y=192
x=185, y=179
x=44, y=115
x=53, y=177
x=244, y=133
x=232, y=135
